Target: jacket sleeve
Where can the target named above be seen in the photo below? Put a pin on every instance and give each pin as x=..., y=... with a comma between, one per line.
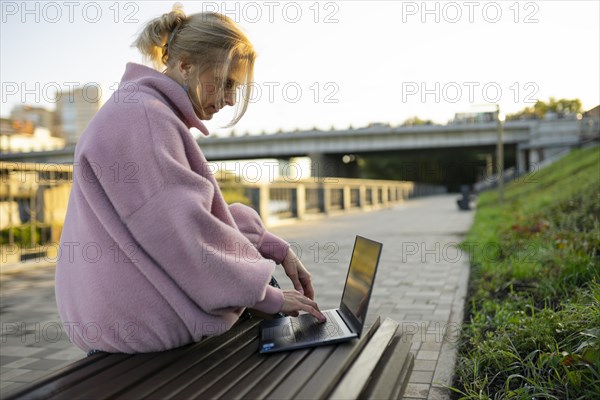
x=212, y=262
x=171, y=213
x=250, y=224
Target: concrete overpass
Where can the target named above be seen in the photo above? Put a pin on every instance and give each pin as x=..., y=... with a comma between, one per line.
x=360, y=141
x=530, y=142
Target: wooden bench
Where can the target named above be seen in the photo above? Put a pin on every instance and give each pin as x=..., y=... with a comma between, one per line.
x=378, y=366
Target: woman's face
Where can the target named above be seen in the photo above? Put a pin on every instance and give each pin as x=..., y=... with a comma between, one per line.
x=214, y=93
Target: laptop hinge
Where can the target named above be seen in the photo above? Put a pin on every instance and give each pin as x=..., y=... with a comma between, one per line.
x=348, y=321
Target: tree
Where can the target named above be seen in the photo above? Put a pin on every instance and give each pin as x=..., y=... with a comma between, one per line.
x=540, y=109
x=412, y=121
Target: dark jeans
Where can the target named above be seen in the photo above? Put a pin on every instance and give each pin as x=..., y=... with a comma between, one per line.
x=245, y=315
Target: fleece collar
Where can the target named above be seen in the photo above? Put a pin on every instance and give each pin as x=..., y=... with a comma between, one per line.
x=146, y=79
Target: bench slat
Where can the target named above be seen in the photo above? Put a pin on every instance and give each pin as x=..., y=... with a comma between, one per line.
x=357, y=376
x=182, y=359
x=404, y=376
x=85, y=389
x=297, y=378
x=224, y=371
x=151, y=366
x=145, y=371
x=261, y=389
x=389, y=378
x=217, y=388
x=66, y=377
x=202, y=364
x=329, y=373
x=243, y=386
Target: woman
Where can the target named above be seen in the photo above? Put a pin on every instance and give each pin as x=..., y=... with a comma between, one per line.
x=152, y=257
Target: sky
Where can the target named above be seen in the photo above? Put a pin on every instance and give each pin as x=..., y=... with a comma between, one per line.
x=328, y=64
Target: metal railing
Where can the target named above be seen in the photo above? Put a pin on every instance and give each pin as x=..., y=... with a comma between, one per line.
x=33, y=205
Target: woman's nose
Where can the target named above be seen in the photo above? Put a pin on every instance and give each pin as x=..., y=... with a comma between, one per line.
x=230, y=98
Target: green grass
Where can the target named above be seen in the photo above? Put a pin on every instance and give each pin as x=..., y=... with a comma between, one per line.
x=532, y=325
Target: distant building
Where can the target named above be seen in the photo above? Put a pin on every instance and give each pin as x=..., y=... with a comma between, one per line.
x=38, y=116
x=74, y=110
x=474, y=118
x=22, y=137
x=594, y=112
x=9, y=126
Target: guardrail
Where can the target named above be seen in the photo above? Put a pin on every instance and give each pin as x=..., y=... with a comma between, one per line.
x=303, y=199
x=34, y=198
x=33, y=205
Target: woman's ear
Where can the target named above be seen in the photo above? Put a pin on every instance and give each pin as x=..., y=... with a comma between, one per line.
x=184, y=69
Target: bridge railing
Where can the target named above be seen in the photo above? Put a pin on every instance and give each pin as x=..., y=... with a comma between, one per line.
x=305, y=199
x=33, y=205
x=34, y=198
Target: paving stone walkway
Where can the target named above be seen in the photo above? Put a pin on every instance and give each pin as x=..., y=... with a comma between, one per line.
x=421, y=283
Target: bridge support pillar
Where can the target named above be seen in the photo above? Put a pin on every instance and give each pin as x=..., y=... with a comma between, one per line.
x=300, y=201
x=362, y=196
x=331, y=165
x=522, y=161
x=346, y=198
x=326, y=199
x=385, y=196
x=263, y=202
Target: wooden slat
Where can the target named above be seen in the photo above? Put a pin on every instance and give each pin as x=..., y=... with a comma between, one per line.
x=329, y=373
x=89, y=367
x=202, y=364
x=228, y=379
x=261, y=389
x=294, y=382
x=65, y=377
x=353, y=382
x=158, y=364
x=404, y=376
x=145, y=371
x=86, y=389
x=186, y=358
x=262, y=371
x=204, y=381
x=385, y=382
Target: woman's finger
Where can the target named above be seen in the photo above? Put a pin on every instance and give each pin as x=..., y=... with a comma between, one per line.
x=296, y=282
x=313, y=308
x=313, y=311
x=308, y=287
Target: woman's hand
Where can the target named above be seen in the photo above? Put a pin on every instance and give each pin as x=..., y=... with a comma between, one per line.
x=294, y=301
x=300, y=277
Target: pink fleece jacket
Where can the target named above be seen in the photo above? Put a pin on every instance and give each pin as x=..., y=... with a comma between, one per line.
x=151, y=256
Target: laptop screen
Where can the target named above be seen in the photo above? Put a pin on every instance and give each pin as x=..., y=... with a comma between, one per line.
x=361, y=273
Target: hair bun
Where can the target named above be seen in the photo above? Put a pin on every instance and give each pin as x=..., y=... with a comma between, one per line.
x=155, y=35
x=174, y=18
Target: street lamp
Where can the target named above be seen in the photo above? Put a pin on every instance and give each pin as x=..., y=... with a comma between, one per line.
x=499, y=151
x=500, y=155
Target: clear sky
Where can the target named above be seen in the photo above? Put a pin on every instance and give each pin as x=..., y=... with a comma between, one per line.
x=329, y=63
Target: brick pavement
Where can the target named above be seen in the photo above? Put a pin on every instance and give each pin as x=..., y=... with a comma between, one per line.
x=32, y=341
x=421, y=283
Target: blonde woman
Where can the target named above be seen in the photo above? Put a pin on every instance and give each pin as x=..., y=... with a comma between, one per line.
x=152, y=256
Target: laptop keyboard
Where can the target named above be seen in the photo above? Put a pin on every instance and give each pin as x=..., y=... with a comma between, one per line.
x=310, y=329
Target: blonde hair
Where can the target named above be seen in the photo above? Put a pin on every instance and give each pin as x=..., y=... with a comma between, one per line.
x=206, y=40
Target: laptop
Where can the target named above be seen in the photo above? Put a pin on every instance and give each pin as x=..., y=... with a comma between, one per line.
x=344, y=323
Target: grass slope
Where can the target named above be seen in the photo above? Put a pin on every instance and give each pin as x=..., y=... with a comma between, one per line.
x=532, y=326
